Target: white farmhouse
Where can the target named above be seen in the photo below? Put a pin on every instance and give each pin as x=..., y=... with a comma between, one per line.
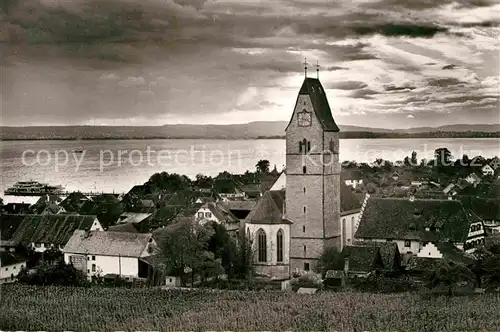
x=103, y=253
x=10, y=265
x=487, y=170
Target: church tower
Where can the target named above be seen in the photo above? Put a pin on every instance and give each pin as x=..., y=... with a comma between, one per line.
x=312, y=177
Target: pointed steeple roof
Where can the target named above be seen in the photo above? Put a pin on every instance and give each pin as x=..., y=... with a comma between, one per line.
x=313, y=88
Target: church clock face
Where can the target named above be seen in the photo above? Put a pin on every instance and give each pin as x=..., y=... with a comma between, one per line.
x=304, y=118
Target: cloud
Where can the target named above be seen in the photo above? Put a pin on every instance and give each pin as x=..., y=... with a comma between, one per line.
x=348, y=85
x=68, y=61
x=410, y=116
x=132, y=81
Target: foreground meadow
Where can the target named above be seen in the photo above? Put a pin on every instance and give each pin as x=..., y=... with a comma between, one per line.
x=112, y=309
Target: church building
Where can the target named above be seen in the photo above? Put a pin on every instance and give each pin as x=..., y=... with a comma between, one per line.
x=311, y=209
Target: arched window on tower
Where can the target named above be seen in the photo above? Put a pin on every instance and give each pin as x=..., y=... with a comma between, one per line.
x=308, y=146
x=300, y=146
x=262, y=245
x=332, y=146
x=304, y=145
x=279, y=245
x=304, y=169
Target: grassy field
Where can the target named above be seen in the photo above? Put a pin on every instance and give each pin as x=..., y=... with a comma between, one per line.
x=107, y=309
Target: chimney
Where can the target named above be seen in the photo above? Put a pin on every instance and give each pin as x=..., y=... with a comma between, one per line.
x=346, y=265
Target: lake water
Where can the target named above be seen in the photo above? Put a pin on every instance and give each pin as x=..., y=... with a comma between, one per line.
x=117, y=165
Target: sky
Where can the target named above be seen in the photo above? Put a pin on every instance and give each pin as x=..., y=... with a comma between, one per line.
x=383, y=63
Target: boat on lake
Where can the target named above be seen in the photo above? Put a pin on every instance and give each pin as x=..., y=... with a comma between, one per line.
x=33, y=188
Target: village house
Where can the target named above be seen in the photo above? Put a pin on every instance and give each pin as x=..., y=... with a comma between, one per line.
x=8, y=226
x=495, y=163
x=448, y=190
x=351, y=178
x=432, y=255
x=108, y=253
x=240, y=209
x=268, y=229
x=16, y=208
x=43, y=232
x=487, y=170
x=219, y=214
x=10, y=266
x=486, y=209
x=74, y=202
x=361, y=261
x=412, y=223
x=251, y=191
x=473, y=179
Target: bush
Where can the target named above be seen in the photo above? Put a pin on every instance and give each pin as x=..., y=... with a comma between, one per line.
x=309, y=280
x=383, y=284
x=46, y=274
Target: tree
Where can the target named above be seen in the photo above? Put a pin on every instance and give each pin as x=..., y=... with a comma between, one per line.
x=184, y=247
x=414, y=159
x=330, y=259
x=449, y=277
x=407, y=161
x=244, y=261
x=203, y=181
x=442, y=157
x=262, y=166
x=487, y=266
x=223, y=247
x=169, y=182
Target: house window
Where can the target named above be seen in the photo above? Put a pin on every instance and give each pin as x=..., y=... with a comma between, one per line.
x=407, y=243
x=304, y=209
x=304, y=169
x=93, y=267
x=304, y=190
x=200, y=215
x=305, y=251
x=308, y=146
x=300, y=146
x=303, y=229
x=208, y=215
x=93, y=258
x=306, y=266
x=279, y=245
x=6, y=269
x=37, y=245
x=88, y=258
x=262, y=245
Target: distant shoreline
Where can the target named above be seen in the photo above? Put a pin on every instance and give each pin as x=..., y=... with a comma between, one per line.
x=343, y=135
